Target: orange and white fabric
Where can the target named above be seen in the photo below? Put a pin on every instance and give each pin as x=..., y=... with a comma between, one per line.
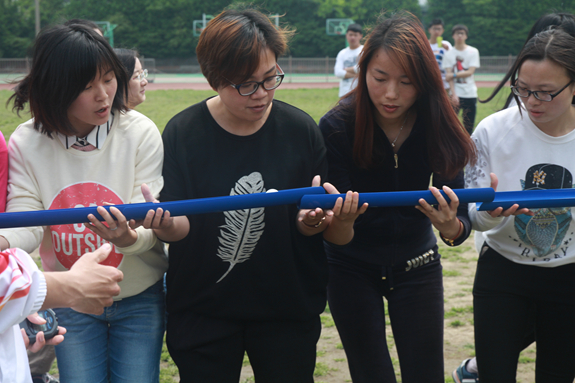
x=22, y=292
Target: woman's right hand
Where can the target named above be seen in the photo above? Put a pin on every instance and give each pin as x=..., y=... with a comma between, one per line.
x=349, y=209
x=344, y=213
x=513, y=210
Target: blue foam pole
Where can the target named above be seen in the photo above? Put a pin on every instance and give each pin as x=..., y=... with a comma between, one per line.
x=406, y=198
x=176, y=208
x=531, y=199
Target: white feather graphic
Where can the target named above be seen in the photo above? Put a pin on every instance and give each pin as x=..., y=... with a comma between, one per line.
x=243, y=229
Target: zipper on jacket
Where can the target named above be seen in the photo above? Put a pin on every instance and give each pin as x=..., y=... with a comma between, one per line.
x=395, y=249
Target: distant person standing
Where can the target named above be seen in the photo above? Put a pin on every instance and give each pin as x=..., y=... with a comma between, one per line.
x=438, y=45
x=346, y=61
x=460, y=64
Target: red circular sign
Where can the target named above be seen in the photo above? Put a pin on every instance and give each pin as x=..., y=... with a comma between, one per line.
x=71, y=241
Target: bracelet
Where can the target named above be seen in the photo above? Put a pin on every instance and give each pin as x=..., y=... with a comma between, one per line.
x=450, y=241
x=317, y=224
x=454, y=74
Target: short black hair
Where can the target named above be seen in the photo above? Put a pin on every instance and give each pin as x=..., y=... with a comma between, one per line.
x=354, y=28
x=128, y=58
x=459, y=27
x=87, y=23
x=65, y=60
x=436, y=21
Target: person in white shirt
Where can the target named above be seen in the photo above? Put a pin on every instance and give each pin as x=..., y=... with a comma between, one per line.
x=527, y=261
x=438, y=45
x=468, y=368
x=460, y=64
x=87, y=287
x=346, y=61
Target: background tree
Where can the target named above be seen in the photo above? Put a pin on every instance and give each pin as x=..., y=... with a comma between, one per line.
x=163, y=28
x=496, y=27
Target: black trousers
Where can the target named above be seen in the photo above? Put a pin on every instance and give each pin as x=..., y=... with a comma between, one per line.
x=415, y=305
x=468, y=107
x=506, y=296
x=213, y=351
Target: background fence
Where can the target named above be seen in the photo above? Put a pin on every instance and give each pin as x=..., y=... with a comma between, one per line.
x=297, y=69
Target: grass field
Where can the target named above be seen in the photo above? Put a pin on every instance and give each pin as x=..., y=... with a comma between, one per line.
x=458, y=263
x=161, y=105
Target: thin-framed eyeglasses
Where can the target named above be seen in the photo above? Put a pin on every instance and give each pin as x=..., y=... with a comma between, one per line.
x=541, y=95
x=142, y=75
x=269, y=83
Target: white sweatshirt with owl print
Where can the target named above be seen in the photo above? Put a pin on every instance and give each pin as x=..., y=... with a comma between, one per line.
x=524, y=158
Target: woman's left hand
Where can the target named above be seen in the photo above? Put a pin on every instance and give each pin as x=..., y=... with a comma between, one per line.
x=444, y=218
x=116, y=231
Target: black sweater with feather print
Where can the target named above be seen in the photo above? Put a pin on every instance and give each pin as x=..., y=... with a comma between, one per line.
x=247, y=264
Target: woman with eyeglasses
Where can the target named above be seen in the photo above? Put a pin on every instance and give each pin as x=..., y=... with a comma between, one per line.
x=137, y=75
x=565, y=21
x=527, y=261
x=254, y=280
x=468, y=368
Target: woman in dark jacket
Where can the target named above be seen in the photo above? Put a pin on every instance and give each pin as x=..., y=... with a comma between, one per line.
x=392, y=133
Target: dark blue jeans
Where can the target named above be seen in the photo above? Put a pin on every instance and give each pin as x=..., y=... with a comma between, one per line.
x=415, y=305
x=123, y=344
x=468, y=106
x=505, y=294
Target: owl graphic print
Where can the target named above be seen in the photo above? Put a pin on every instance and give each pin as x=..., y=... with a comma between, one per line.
x=546, y=233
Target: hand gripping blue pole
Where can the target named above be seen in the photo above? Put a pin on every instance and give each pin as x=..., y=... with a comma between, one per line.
x=531, y=199
x=176, y=208
x=406, y=198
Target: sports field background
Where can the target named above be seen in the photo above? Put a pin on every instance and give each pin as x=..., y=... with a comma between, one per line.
x=458, y=263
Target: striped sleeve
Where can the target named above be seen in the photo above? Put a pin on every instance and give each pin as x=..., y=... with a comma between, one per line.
x=22, y=287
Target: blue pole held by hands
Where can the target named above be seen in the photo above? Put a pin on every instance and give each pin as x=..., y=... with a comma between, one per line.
x=307, y=198
x=176, y=208
x=406, y=198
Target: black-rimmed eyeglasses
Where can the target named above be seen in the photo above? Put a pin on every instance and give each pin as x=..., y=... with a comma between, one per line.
x=541, y=95
x=269, y=83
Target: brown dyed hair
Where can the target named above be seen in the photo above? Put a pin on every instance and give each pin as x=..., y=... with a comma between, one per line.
x=231, y=45
x=449, y=145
